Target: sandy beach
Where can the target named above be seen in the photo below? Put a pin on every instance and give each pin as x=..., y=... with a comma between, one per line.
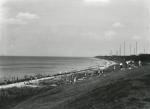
x=74, y=54
x=35, y=83
x=126, y=89
x=113, y=89
x=25, y=83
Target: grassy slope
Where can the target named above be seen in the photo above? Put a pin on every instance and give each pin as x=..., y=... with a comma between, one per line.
x=116, y=90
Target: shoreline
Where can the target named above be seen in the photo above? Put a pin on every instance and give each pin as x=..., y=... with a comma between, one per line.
x=59, y=93
x=35, y=82
x=113, y=89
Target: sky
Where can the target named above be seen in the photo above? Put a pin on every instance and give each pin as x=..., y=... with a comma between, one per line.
x=73, y=27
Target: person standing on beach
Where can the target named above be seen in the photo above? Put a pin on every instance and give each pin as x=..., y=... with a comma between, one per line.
x=140, y=63
x=75, y=79
x=60, y=73
x=121, y=66
x=114, y=67
x=99, y=72
x=85, y=74
x=102, y=71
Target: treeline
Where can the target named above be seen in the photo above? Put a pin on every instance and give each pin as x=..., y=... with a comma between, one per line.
x=143, y=57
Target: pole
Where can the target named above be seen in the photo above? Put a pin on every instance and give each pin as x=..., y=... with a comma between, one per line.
x=134, y=52
x=136, y=46
x=144, y=50
x=130, y=48
x=124, y=48
x=120, y=50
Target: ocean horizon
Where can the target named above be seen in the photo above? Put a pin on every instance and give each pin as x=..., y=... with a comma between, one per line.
x=20, y=66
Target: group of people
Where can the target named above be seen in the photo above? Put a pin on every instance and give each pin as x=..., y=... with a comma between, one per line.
x=73, y=78
x=130, y=64
x=100, y=71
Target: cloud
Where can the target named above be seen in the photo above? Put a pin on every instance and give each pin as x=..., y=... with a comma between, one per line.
x=2, y=14
x=96, y=2
x=133, y=0
x=91, y=35
x=110, y=34
x=117, y=25
x=104, y=1
x=22, y=18
x=2, y=10
x=136, y=37
x=15, y=21
x=26, y=16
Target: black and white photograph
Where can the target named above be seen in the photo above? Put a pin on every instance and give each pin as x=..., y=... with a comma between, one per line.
x=74, y=54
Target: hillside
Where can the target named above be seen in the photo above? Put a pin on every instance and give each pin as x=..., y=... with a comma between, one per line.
x=128, y=89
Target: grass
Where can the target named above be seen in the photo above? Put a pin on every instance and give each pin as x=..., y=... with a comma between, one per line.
x=12, y=96
x=127, y=89
x=117, y=90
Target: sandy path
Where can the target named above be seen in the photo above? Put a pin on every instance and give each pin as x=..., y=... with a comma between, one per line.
x=25, y=83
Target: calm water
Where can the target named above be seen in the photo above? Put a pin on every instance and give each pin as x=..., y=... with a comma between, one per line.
x=21, y=66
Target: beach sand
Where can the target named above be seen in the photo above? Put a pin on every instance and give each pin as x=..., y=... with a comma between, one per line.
x=127, y=89
x=119, y=89
x=35, y=83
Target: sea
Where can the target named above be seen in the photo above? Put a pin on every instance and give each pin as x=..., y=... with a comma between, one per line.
x=19, y=66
